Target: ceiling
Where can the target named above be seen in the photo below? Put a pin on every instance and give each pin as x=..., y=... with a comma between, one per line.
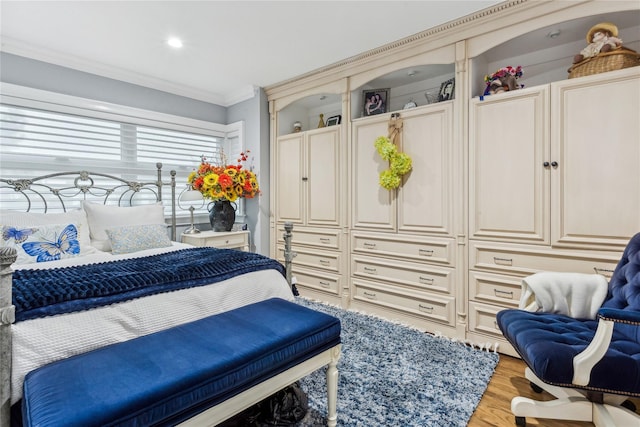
x=230, y=47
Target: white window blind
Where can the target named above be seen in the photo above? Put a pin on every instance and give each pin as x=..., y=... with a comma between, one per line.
x=39, y=137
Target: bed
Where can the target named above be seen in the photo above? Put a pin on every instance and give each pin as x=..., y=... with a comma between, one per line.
x=112, y=272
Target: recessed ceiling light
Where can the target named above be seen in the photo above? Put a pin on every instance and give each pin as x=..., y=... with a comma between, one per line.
x=174, y=42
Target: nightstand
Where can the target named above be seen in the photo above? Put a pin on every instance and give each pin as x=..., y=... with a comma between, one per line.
x=219, y=239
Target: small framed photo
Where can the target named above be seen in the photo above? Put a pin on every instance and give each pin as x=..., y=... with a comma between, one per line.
x=447, y=90
x=334, y=120
x=374, y=101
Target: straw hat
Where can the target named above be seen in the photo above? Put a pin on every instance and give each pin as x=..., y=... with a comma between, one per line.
x=606, y=26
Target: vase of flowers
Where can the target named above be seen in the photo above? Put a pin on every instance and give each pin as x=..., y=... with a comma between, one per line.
x=222, y=215
x=505, y=79
x=224, y=184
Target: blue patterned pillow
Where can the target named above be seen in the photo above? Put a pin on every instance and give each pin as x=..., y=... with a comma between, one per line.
x=42, y=243
x=134, y=238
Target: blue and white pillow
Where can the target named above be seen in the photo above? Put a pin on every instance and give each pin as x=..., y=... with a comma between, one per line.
x=42, y=243
x=134, y=238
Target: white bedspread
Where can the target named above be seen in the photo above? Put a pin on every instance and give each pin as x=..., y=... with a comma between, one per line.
x=572, y=294
x=40, y=341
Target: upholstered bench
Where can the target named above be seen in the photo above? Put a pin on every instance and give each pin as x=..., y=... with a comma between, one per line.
x=199, y=373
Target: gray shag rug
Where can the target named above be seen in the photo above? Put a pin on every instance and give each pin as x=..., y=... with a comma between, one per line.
x=392, y=375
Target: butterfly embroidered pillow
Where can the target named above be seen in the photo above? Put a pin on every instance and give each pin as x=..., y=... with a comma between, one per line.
x=42, y=243
x=22, y=220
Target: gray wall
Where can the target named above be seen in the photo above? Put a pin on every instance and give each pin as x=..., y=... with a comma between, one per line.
x=254, y=112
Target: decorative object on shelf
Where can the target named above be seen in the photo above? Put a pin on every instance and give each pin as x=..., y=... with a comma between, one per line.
x=297, y=127
x=224, y=183
x=334, y=120
x=505, y=79
x=602, y=37
x=410, y=104
x=194, y=200
x=222, y=215
x=374, y=101
x=321, y=122
x=399, y=163
x=603, y=53
x=432, y=95
x=447, y=90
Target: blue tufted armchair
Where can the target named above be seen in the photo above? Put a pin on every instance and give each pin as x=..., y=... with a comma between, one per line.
x=590, y=366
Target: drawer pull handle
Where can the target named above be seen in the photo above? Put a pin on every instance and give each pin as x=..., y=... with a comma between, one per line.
x=325, y=240
x=324, y=262
x=425, y=308
x=501, y=293
x=603, y=271
x=370, y=270
x=370, y=295
x=502, y=261
x=325, y=284
x=425, y=279
x=369, y=245
x=425, y=252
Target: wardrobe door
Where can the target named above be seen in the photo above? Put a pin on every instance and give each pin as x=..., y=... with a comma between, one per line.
x=596, y=144
x=373, y=207
x=323, y=180
x=510, y=167
x=426, y=196
x=289, y=184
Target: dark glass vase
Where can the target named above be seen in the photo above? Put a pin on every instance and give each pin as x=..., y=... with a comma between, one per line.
x=222, y=215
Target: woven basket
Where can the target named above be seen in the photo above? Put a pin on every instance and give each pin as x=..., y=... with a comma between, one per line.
x=603, y=62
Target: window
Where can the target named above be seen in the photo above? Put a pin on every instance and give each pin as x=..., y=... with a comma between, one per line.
x=42, y=132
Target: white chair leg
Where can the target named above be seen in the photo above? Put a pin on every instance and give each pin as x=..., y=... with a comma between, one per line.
x=613, y=416
x=332, y=389
x=569, y=408
x=572, y=404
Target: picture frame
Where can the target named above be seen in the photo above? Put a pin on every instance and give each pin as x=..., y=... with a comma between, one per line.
x=334, y=120
x=374, y=101
x=447, y=90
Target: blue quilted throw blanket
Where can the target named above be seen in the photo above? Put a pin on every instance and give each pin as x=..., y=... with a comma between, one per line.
x=40, y=293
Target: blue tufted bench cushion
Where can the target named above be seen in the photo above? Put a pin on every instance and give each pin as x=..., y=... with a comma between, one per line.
x=549, y=342
x=169, y=376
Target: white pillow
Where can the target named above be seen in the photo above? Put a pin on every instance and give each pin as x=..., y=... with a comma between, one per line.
x=31, y=219
x=42, y=243
x=134, y=238
x=102, y=217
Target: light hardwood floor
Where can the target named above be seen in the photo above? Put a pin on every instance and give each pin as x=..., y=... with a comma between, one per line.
x=507, y=382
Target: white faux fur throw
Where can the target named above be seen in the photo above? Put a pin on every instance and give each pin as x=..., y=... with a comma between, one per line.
x=573, y=294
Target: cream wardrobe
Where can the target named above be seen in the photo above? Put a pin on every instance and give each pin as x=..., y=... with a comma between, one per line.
x=502, y=186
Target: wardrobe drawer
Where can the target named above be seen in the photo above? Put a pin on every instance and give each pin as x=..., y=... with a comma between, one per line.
x=317, y=280
x=524, y=260
x=430, y=249
x=437, y=308
x=495, y=289
x=319, y=237
x=309, y=257
x=418, y=275
x=482, y=319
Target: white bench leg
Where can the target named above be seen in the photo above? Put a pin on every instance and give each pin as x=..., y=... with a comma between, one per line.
x=332, y=388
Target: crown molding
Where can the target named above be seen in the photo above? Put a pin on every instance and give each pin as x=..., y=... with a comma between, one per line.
x=17, y=47
x=431, y=33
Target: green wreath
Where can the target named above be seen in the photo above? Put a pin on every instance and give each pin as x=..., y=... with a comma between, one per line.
x=399, y=163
